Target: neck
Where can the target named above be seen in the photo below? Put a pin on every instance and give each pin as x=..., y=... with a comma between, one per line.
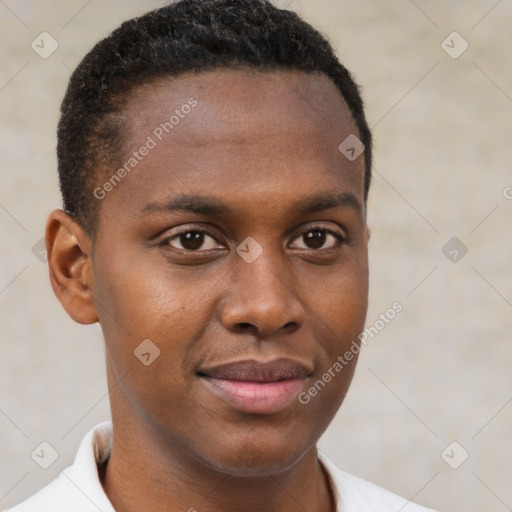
x=143, y=473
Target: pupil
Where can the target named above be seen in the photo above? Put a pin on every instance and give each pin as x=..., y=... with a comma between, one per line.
x=192, y=240
x=315, y=239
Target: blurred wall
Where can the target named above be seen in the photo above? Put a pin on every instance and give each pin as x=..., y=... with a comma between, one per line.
x=429, y=414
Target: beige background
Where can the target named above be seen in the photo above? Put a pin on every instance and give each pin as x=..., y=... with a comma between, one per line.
x=439, y=372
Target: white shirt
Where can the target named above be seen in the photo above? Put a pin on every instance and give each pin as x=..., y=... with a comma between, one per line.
x=78, y=488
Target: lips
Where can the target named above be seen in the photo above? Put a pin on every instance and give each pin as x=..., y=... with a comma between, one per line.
x=254, y=371
x=256, y=387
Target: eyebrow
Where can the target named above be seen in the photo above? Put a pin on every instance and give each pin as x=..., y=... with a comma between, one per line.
x=213, y=207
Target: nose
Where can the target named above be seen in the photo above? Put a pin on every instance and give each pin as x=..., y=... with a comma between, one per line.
x=262, y=298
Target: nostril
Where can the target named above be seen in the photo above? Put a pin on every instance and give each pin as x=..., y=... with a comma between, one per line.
x=245, y=326
x=291, y=326
x=288, y=327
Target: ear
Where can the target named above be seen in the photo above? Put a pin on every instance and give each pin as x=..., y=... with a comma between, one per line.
x=70, y=265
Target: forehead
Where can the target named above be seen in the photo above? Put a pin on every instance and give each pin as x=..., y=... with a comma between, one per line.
x=241, y=102
x=267, y=135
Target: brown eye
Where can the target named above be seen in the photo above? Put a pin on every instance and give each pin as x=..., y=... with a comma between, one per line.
x=193, y=241
x=315, y=239
x=320, y=238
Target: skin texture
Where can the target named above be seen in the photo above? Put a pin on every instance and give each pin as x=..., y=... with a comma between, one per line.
x=258, y=142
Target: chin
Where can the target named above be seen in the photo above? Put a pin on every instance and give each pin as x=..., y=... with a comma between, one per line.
x=257, y=458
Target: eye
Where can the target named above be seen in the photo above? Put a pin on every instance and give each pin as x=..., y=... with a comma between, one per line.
x=321, y=238
x=192, y=240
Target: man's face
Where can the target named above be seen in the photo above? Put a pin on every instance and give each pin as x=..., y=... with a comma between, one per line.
x=249, y=287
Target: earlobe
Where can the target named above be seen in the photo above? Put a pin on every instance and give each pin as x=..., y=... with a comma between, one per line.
x=70, y=266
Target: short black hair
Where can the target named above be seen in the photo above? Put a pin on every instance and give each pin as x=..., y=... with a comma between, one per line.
x=186, y=36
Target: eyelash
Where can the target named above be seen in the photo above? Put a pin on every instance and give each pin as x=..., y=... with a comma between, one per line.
x=341, y=240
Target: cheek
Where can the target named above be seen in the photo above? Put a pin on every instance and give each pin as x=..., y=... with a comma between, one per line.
x=139, y=297
x=342, y=302
x=340, y=313
x=140, y=301
x=131, y=302
x=149, y=322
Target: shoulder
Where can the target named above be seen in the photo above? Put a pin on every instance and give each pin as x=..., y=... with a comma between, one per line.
x=77, y=488
x=57, y=496
x=354, y=494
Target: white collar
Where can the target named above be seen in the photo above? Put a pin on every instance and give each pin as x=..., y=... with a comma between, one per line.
x=78, y=487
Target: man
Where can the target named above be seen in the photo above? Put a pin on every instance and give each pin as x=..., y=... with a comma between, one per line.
x=215, y=161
